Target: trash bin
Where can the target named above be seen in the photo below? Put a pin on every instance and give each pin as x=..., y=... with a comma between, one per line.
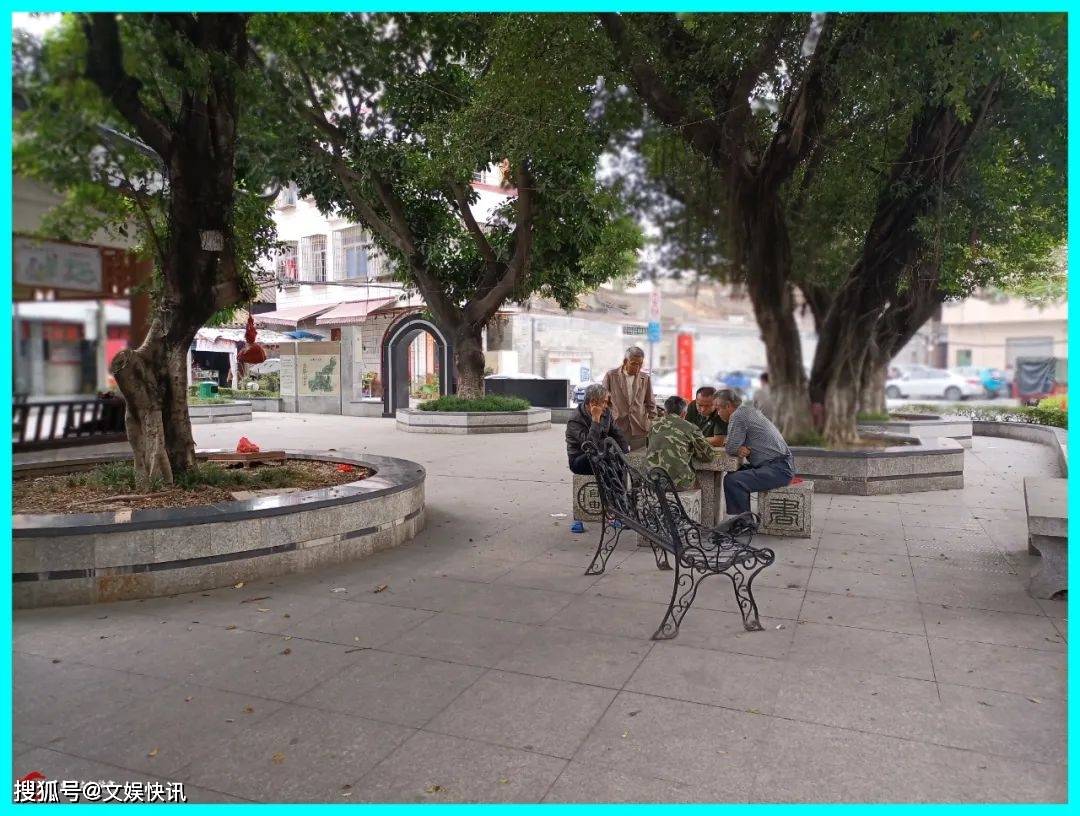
x=207, y=388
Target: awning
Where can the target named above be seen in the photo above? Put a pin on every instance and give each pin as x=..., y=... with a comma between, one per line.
x=293, y=314
x=345, y=314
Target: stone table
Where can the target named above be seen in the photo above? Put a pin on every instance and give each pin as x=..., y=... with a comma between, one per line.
x=711, y=478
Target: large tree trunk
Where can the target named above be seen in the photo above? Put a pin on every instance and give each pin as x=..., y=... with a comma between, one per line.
x=872, y=392
x=768, y=263
x=469, y=358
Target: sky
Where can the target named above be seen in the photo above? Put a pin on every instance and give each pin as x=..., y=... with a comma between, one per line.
x=36, y=24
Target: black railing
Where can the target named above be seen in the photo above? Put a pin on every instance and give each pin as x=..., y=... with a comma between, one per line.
x=60, y=423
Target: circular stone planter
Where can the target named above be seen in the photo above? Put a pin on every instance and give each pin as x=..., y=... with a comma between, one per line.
x=924, y=426
x=912, y=465
x=222, y=412
x=60, y=559
x=473, y=422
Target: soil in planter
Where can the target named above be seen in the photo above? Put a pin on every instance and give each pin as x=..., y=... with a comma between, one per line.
x=112, y=486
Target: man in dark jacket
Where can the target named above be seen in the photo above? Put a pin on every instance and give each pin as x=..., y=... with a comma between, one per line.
x=592, y=422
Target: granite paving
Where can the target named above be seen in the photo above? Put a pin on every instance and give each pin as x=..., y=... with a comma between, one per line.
x=902, y=659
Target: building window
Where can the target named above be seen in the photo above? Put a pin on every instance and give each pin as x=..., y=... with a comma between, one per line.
x=287, y=197
x=313, y=259
x=963, y=357
x=350, y=255
x=285, y=265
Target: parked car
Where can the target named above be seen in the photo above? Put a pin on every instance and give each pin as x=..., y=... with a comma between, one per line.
x=994, y=381
x=935, y=383
x=744, y=380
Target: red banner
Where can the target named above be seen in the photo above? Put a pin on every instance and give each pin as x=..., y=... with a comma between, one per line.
x=684, y=382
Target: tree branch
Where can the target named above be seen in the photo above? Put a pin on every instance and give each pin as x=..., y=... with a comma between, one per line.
x=479, y=311
x=701, y=131
x=764, y=59
x=105, y=68
x=482, y=244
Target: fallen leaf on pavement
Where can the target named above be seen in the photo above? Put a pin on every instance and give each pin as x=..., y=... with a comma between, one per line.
x=340, y=589
x=503, y=780
x=286, y=651
x=263, y=609
x=252, y=600
x=153, y=753
x=249, y=710
x=239, y=585
x=187, y=699
x=231, y=626
x=278, y=758
x=1032, y=699
x=380, y=588
x=433, y=788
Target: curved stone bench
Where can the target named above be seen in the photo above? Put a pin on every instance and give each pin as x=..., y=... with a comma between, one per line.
x=1054, y=438
x=222, y=412
x=78, y=558
x=924, y=427
x=912, y=465
x=473, y=422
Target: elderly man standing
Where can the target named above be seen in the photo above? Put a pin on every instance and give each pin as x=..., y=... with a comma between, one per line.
x=751, y=435
x=632, y=397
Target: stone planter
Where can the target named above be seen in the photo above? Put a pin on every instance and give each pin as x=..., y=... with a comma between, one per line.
x=224, y=412
x=62, y=559
x=912, y=465
x=270, y=405
x=924, y=427
x=473, y=422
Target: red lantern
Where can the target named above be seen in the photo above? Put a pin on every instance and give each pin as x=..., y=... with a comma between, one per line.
x=252, y=353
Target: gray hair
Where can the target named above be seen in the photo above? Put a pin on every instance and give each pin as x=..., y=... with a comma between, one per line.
x=728, y=396
x=595, y=393
x=634, y=352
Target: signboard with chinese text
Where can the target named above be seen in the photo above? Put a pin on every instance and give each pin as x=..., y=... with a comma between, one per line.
x=288, y=376
x=51, y=265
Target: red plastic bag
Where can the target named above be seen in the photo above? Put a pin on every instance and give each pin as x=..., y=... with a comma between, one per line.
x=245, y=445
x=796, y=480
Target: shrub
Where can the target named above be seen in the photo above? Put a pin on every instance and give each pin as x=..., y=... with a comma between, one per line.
x=872, y=416
x=1050, y=415
x=1059, y=403
x=490, y=403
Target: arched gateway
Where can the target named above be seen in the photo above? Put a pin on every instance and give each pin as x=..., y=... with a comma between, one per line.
x=395, y=360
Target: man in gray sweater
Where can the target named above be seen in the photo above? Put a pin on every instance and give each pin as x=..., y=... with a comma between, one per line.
x=752, y=436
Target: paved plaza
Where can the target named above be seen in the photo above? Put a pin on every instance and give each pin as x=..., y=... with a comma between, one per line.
x=902, y=658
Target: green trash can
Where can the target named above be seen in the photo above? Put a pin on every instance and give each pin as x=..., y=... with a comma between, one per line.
x=207, y=388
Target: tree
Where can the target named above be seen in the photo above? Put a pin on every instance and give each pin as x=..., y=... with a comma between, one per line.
x=392, y=115
x=137, y=120
x=901, y=159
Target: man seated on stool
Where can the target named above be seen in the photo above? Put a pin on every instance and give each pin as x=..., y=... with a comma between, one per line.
x=674, y=443
x=702, y=412
x=753, y=437
x=592, y=422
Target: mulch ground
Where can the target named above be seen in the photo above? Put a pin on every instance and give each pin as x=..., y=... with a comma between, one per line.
x=68, y=493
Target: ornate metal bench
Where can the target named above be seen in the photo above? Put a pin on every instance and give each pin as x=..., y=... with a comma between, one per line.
x=649, y=505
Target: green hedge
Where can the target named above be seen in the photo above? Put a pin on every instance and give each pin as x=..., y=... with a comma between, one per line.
x=1030, y=415
x=490, y=403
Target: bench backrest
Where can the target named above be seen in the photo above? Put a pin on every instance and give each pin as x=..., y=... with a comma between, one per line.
x=649, y=504
x=637, y=499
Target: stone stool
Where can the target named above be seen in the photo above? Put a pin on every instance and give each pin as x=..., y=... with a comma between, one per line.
x=786, y=511
x=586, y=499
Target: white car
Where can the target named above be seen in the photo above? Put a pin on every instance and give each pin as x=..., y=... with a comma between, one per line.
x=935, y=383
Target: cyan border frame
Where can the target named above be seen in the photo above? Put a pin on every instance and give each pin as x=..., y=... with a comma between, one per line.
x=534, y=6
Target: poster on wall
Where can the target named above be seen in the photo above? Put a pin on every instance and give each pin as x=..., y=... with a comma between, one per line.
x=319, y=375
x=288, y=377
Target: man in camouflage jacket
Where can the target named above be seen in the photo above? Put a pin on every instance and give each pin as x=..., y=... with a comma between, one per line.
x=675, y=443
